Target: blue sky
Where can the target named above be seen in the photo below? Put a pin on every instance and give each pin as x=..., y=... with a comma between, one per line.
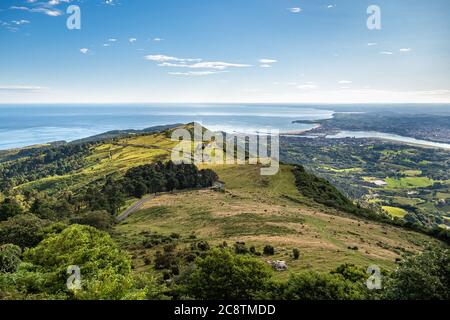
x=225, y=51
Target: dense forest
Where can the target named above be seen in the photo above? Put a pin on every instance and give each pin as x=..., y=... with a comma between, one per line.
x=35, y=163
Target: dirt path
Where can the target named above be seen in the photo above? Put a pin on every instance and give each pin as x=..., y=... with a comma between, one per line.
x=133, y=208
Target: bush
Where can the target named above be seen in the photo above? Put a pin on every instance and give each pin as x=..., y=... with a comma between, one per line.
x=296, y=253
x=101, y=220
x=320, y=286
x=269, y=250
x=25, y=230
x=222, y=275
x=351, y=272
x=105, y=269
x=9, y=208
x=203, y=246
x=240, y=248
x=9, y=258
x=165, y=260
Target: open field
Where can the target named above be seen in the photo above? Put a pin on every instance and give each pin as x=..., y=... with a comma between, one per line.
x=395, y=212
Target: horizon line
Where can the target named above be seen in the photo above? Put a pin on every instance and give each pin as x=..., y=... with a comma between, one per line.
x=230, y=102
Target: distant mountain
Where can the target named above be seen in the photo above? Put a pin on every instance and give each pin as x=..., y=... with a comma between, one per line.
x=122, y=133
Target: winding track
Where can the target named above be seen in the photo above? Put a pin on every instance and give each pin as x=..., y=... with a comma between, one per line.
x=134, y=207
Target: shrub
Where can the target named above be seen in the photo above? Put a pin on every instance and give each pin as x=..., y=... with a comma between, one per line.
x=9, y=208
x=222, y=275
x=164, y=260
x=101, y=220
x=351, y=272
x=24, y=230
x=269, y=250
x=9, y=258
x=105, y=269
x=296, y=253
x=320, y=286
x=240, y=248
x=203, y=246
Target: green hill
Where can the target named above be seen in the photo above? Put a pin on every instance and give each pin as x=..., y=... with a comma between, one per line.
x=291, y=210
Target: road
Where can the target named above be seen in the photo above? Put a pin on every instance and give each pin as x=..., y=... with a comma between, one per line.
x=133, y=208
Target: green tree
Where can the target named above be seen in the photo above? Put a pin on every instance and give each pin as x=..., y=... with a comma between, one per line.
x=9, y=208
x=223, y=275
x=425, y=276
x=320, y=286
x=9, y=258
x=114, y=196
x=101, y=220
x=105, y=269
x=140, y=189
x=351, y=272
x=24, y=230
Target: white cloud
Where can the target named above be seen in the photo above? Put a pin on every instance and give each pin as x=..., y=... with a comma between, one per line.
x=44, y=10
x=371, y=44
x=157, y=39
x=387, y=53
x=196, y=73
x=84, y=50
x=344, y=82
x=331, y=6
x=19, y=88
x=164, y=58
x=174, y=62
x=19, y=22
x=295, y=10
x=131, y=40
x=267, y=61
x=217, y=65
x=112, y=40
x=405, y=49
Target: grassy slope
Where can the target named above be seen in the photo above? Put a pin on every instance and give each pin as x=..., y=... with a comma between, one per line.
x=268, y=210
x=107, y=159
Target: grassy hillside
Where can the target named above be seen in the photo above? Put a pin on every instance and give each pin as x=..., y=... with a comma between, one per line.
x=258, y=210
x=108, y=158
x=265, y=211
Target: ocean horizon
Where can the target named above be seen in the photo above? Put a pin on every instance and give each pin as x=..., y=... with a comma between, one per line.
x=23, y=125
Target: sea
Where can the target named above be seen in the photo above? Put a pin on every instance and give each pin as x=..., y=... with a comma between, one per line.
x=25, y=125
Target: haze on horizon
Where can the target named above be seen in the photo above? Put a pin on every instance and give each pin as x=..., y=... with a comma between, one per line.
x=254, y=51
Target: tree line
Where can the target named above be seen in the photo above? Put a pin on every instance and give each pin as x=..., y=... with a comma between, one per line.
x=147, y=179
